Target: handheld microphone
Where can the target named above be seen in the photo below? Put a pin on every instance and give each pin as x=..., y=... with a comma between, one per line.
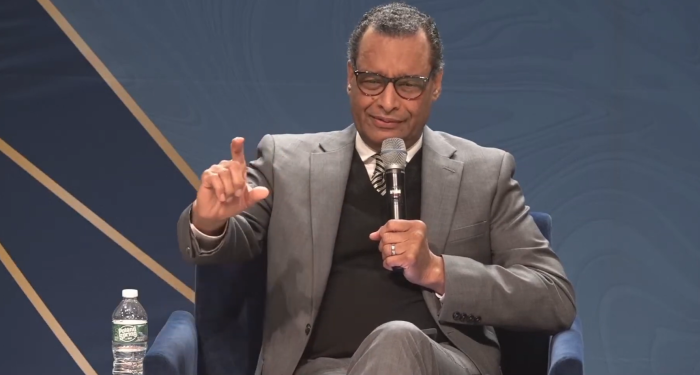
x=393, y=156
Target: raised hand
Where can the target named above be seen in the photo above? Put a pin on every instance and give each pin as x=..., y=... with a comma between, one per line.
x=225, y=192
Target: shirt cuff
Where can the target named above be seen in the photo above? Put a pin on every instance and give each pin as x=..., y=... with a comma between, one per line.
x=205, y=241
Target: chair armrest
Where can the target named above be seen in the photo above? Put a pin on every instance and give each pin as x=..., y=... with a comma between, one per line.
x=174, y=351
x=566, y=352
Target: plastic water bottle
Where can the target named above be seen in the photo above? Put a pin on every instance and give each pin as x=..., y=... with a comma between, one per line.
x=129, y=335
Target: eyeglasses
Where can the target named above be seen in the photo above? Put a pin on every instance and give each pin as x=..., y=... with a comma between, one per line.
x=407, y=87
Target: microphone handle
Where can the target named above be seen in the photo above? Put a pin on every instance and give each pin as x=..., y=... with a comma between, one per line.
x=396, y=196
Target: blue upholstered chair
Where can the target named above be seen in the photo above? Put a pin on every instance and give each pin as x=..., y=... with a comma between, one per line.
x=225, y=335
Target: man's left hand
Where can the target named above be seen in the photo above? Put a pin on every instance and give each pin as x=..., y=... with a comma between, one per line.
x=410, y=245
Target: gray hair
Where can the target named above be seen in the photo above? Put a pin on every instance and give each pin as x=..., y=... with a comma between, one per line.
x=397, y=20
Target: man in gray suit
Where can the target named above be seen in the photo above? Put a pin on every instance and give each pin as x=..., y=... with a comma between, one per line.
x=472, y=257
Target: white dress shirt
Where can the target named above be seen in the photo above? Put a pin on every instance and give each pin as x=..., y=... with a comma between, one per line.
x=366, y=153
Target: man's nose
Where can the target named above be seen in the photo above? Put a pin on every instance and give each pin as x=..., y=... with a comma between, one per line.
x=389, y=100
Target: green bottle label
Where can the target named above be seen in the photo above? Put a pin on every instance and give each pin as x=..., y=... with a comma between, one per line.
x=129, y=333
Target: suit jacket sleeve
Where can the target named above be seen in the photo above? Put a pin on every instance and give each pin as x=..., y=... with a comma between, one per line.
x=525, y=288
x=245, y=234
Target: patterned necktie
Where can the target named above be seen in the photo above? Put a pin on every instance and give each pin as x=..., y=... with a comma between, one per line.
x=378, y=176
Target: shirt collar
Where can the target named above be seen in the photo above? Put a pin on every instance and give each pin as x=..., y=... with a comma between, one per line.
x=366, y=152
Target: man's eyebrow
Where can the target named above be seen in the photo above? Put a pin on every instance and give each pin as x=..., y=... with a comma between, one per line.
x=395, y=76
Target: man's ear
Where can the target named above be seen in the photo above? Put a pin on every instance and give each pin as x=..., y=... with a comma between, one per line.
x=351, y=76
x=437, y=85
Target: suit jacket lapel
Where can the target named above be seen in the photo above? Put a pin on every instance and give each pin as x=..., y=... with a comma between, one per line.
x=330, y=167
x=441, y=178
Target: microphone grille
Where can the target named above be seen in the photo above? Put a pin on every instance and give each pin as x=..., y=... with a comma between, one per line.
x=394, y=153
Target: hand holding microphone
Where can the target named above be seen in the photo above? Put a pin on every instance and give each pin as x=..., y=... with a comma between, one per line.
x=403, y=243
x=225, y=192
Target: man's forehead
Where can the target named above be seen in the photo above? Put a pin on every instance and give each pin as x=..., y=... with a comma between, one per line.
x=394, y=56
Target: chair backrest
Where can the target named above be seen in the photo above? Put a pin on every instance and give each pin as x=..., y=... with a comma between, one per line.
x=230, y=306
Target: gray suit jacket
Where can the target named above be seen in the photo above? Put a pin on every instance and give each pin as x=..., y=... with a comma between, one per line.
x=499, y=269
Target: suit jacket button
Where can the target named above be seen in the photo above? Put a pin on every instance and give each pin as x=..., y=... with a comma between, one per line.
x=308, y=329
x=457, y=316
x=478, y=319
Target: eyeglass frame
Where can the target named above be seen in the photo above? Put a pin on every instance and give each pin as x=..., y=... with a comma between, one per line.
x=393, y=82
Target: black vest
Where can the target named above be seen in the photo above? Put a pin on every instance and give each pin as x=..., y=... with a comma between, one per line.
x=360, y=294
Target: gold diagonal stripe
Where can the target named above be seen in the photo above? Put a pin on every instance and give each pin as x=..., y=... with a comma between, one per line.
x=97, y=221
x=45, y=313
x=118, y=89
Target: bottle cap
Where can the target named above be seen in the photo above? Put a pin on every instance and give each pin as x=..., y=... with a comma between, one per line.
x=130, y=293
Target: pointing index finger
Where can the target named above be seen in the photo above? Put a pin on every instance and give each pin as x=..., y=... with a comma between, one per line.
x=237, y=153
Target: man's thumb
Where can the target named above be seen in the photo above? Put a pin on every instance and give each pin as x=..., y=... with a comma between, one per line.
x=258, y=193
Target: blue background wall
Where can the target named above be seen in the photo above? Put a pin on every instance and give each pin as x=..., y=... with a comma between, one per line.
x=598, y=100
